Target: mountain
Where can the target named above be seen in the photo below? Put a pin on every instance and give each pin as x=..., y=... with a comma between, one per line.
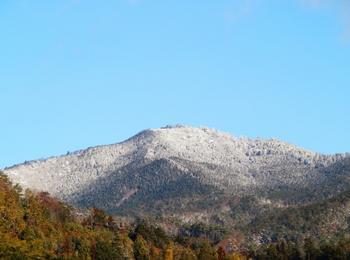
x=192, y=174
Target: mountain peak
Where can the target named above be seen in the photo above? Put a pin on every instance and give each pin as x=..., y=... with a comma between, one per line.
x=201, y=156
x=206, y=144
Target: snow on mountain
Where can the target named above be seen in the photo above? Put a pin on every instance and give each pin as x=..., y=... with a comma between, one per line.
x=208, y=156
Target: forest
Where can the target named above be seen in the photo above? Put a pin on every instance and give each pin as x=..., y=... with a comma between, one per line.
x=38, y=226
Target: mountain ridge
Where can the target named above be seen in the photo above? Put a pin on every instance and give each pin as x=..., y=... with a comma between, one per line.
x=190, y=174
x=152, y=130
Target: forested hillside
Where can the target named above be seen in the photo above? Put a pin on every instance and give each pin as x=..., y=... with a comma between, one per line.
x=37, y=226
x=190, y=175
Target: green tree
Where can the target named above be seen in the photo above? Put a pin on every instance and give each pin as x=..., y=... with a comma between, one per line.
x=104, y=250
x=311, y=249
x=207, y=252
x=141, y=249
x=123, y=246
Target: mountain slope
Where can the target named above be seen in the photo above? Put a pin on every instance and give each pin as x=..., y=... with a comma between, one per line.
x=191, y=174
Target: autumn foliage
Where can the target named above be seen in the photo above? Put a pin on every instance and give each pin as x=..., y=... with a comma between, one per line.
x=37, y=226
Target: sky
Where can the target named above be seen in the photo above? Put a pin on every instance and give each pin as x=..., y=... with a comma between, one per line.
x=75, y=74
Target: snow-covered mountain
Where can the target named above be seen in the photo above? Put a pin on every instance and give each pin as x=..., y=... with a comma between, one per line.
x=175, y=170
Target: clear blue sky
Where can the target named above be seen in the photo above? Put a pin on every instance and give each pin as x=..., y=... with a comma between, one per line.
x=75, y=74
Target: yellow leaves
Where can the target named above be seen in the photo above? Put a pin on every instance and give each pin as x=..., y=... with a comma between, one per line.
x=123, y=245
x=11, y=247
x=237, y=256
x=183, y=253
x=141, y=249
x=169, y=253
x=11, y=215
x=36, y=226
